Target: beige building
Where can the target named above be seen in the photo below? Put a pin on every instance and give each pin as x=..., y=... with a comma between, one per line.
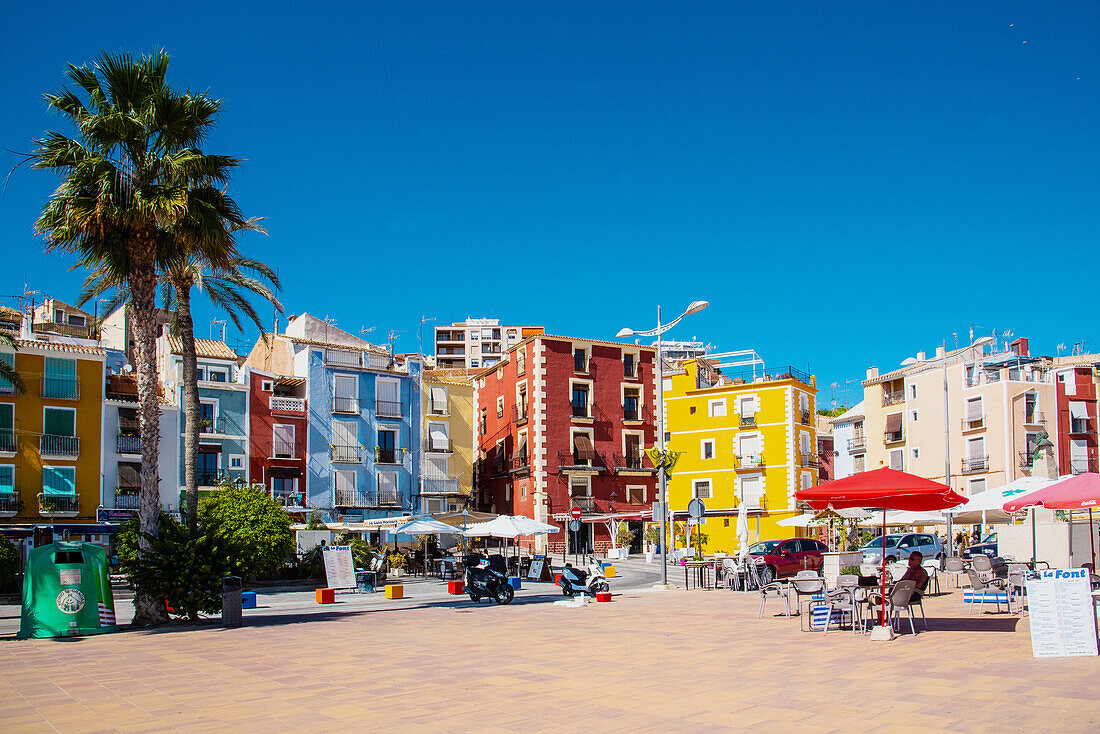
x=997, y=404
x=448, y=471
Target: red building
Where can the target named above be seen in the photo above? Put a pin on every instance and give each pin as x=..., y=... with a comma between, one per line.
x=563, y=423
x=278, y=425
x=1076, y=418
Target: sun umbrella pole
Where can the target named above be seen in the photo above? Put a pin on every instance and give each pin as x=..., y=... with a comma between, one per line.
x=883, y=566
x=1092, y=541
x=1032, y=511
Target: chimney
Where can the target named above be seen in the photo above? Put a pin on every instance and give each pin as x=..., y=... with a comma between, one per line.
x=872, y=373
x=1019, y=347
x=920, y=356
x=939, y=352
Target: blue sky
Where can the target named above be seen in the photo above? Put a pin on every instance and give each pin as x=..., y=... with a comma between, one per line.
x=846, y=183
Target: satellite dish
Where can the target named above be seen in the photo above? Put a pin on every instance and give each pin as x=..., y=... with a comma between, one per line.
x=127, y=368
x=908, y=361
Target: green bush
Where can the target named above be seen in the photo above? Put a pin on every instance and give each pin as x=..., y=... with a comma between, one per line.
x=850, y=571
x=254, y=530
x=9, y=564
x=360, y=550
x=624, y=535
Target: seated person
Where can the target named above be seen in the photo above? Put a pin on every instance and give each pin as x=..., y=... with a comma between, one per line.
x=915, y=573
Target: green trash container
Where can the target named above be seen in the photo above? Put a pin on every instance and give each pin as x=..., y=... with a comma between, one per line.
x=66, y=591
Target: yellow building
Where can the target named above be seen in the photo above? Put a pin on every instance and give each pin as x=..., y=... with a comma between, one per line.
x=742, y=437
x=448, y=440
x=50, y=433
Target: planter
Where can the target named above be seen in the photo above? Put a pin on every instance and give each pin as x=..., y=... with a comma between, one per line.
x=397, y=572
x=649, y=554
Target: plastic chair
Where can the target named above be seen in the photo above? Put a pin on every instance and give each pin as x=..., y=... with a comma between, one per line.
x=901, y=597
x=1016, y=585
x=982, y=565
x=810, y=585
x=982, y=586
x=843, y=601
x=954, y=565
x=779, y=589
x=932, y=567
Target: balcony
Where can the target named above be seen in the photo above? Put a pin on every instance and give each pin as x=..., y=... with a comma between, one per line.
x=975, y=424
x=441, y=486
x=125, y=444
x=747, y=420
x=355, y=498
x=1026, y=462
x=436, y=446
x=124, y=391
x=1033, y=418
x=76, y=331
x=519, y=414
x=893, y=436
x=388, y=498
x=219, y=427
x=6, y=388
x=386, y=456
x=346, y=454
x=211, y=478
x=285, y=498
x=631, y=464
x=1079, y=466
x=892, y=398
x=60, y=388
x=974, y=464
x=569, y=462
x=342, y=358
x=583, y=412
x=583, y=501
x=805, y=417
x=127, y=498
x=388, y=409
x=749, y=462
x=1080, y=425
x=857, y=443
x=753, y=500
x=520, y=463
x=346, y=405
x=287, y=404
x=7, y=441
x=9, y=504
x=67, y=446
x=64, y=505
x=808, y=459
x=282, y=449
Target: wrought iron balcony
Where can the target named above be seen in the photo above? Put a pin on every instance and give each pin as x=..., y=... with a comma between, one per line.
x=127, y=498
x=386, y=456
x=211, y=479
x=388, y=497
x=894, y=436
x=809, y=459
x=53, y=505
x=282, y=449
x=972, y=464
x=1080, y=425
x=126, y=444
x=892, y=398
x=583, y=501
x=345, y=405
x=58, y=445
x=973, y=425
x=355, y=498
x=632, y=412
x=346, y=454
x=124, y=391
x=61, y=388
x=568, y=460
x=805, y=417
x=857, y=443
x=747, y=420
x=7, y=440
x=752, y=500
x=631, y=463
x=287, y=404
x=520, y=462
x=9, y=504
x=6, y=388
x=441, y=486
x=388, y=408
x=343, y=358
x=519, y=414
x=1026, y=460
x=218, y=427
x=76, y=331
x=749, y=462
x=287, y=498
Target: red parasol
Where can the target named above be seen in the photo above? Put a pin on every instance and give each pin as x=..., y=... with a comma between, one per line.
x=1081, y=492
x=886, y=488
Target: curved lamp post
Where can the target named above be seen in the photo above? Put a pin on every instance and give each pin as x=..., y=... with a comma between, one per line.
x=695, y=307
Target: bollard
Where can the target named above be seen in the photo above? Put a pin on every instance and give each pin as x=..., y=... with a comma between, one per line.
x=231, y=601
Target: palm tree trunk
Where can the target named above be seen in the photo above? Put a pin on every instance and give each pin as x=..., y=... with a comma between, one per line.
x=182, y=284
x=148, y=609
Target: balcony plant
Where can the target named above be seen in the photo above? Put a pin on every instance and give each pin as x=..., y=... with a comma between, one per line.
x=44, y=504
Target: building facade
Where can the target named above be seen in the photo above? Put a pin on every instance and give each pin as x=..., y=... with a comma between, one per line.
x=563, y=423
x=364, y=419
x=477, y=343
x=849, y=443
x=747, y=437
x=1077, y=413
x=447, y=473
x=278, y=427
x=997, y=405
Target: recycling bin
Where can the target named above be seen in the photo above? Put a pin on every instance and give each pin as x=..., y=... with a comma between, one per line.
x=67, y=591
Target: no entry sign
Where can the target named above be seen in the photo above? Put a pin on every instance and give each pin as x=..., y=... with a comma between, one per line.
x=576, y=513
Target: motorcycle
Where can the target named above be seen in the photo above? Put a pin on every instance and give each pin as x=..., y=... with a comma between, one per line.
x=574, y=581
x=485, y=580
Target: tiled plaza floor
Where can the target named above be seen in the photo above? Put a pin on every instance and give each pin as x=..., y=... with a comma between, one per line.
x=649, y=661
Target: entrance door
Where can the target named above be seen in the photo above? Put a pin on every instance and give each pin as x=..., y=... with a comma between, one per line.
x=637, y=543
x=580, y=542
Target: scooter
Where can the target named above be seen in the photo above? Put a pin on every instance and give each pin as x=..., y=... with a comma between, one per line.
x=482, y=580
x=574, y=581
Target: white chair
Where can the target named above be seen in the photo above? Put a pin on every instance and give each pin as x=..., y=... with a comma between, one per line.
x=955, y=566
x=932, y=567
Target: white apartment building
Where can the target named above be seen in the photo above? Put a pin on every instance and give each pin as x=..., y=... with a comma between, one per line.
x=849, y=443
x=477, y=343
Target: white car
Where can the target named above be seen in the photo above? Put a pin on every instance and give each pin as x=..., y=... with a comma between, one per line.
x=900, y=545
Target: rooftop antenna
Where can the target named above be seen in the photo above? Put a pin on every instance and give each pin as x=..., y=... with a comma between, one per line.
x=420, y=333
x=956, y=335
x=217, y=321
x=392, y=337
x=972, y=327
x=1061, y=348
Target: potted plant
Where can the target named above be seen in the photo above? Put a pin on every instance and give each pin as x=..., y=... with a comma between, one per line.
x=398, y=561
x=44, y=505
x=623, y=537
x=653, y=542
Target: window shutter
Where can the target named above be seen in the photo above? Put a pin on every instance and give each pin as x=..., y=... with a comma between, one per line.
x=583, y=444
x=387, y=391
x=893, y=423
x=59, y=422
x=7, y=479
x=59, y=481
x=974, y=410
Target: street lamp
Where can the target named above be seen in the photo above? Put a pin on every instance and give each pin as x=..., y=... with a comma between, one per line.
x=695, y=307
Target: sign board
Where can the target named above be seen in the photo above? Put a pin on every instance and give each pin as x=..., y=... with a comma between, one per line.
x=658, y=511
x=537, y=570
x=696, y=508
x=107, y=514
x=575, y=513
x=1060, y=610
x=339, y=567
x=574, y=525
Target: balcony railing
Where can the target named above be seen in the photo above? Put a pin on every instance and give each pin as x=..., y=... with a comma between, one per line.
x=440, y=447
x=588, y=410
x=747, y=420
x=122, y=393
x=519, y=414
x=894, y=436
x=752, y=500
x=388, y=497
x=388, y=408
x=749, y=461
x=583, y=501
x=77, y=331
x=632, y=413
x=630, y=462
x=211, y=479
x=64, y=504
x=59, y=445
x=973, y=425
x=355, y=498
x=128, y=444
x=441, y=486
x=345, y=405
x=1025, y=459
x=9, y=504
x=127, y=498
x=1079, y=425
x=6, y=388
x=805, y=417
x=893, y=398
x=286, y=498
x=282, y=449
x=808, y=459
x=567, y=459
x=7, y=440
x=1078, y=467
x=857, y=443
x=287, y=404
x=385, y=456
x=61, y=388
x=346, y=454
x=340, y=358
x=521, y=462
x=1034, y=418
x=971, y=464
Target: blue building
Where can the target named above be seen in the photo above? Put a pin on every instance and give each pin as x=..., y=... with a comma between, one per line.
x=363, y=449
x=223, y=400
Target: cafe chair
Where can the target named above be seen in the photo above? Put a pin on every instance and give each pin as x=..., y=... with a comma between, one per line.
x=842, y=601
x=981, y=563
x=978, y=585
x=901, y=597
x=778, y=589
x=954, y=565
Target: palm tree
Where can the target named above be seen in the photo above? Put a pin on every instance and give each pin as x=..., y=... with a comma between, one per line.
x=126, y=179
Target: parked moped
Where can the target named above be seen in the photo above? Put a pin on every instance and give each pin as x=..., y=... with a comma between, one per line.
x=575, y=581
x=482, y=580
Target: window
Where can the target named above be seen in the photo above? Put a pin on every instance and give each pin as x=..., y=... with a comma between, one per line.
x=521, y=361
x=716, y=407
x=7, y=479
x=635, y=495
x=236, y=461
x=199, y=374
x=473, y=363
x=500, y=406
x=807, y=480
x=217, y=374
x=59, y=421
x=580, y=359
x=914, y=416
x=58, y=316
x=59, y=481
x=700, y=489
x=913, y=392
x=285, y=487
x=747, y=407
x=580, y=401
x=706, y=448
x=77, y=320
x=6, y=386
x=521, y=399
x=916, y=453
x=438, y=439
x=345, y=390
x=387, y=397
x=630, y=367
x=437, y=400
x=977, y=486
x=579, y=487
x=632, y=449
x=481, y=421
x=60, y=379
x=344, y=480
x=584, y=453
x=631, y=400
x=265, y=385
x=748, y=447
x=1031, y=407
x=691, y=410
x=345, y=441
x=897, y=459
x=208, y=416
x=386, y=453
x=282, y=441
x=752, y=491
x=859, y=464
x=974, y=413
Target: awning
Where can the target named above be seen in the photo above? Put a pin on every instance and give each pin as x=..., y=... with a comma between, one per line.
x=284, y=472
x=129, y=475
x=1078, y=409
x=290, y=381
x=583, y=444
x=437, y=438
x=438, y=395
x=893, y=423
x=521, y=447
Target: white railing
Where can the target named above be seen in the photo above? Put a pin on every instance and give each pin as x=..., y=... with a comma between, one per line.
x=292, y=405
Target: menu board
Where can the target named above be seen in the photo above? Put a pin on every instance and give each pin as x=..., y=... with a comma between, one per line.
x=1060, y=608
x=538, y=570
x=339, y=567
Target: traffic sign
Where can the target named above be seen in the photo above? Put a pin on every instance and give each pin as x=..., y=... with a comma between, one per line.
x=576, y=513
x=696, y=508
x=574, y=525
x=658, y=511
